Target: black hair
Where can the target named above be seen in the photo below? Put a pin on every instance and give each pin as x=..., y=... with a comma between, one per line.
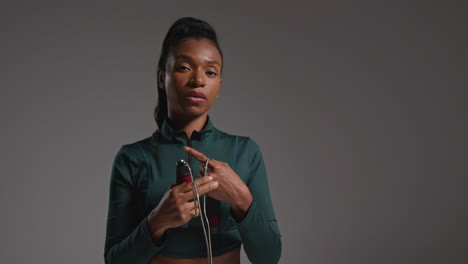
x=181, y=29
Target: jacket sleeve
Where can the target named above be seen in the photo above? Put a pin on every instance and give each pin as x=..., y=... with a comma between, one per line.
x=259, y=229
x=127, y=237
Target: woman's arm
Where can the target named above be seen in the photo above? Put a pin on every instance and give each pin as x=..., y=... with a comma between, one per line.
x=128, y=239
x=250, y=204
x=259, y=229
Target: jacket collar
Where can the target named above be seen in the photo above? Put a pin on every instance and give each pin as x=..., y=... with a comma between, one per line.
x=168, y=133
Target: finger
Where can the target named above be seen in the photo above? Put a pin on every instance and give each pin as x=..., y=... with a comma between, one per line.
x=196, y=154
x=190, y=205
x=190, y=209
x=202, y=158
x=195, y=212
x=187, y=187
x=196, y=209
x=207, y=187
x=201, y=189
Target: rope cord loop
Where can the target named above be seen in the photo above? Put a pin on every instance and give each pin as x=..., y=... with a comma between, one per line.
x=203, y=215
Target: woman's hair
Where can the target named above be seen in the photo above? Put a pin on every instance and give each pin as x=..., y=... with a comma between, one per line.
x=183, y=28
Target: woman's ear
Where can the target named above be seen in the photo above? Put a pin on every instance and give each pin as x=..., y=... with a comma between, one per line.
x=161, y=74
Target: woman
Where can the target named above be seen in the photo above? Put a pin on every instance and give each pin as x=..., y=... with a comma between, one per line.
x=151, y=220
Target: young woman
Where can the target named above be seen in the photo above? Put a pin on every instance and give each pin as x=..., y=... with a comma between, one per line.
x=152, y=220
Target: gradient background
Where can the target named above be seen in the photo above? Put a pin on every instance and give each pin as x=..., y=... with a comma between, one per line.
x=360, y=109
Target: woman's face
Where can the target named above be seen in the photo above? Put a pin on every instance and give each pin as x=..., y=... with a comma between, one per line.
x=192, y=78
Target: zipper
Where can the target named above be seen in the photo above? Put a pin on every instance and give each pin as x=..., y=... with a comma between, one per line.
x=189, y=157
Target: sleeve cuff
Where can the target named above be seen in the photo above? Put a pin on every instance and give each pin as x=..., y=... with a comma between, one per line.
x=249, y=217
x=160, y=243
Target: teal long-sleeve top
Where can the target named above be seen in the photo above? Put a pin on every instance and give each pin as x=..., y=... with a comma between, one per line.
x=143, y=171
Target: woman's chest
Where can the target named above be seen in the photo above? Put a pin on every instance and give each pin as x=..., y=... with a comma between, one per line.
x=159, y=170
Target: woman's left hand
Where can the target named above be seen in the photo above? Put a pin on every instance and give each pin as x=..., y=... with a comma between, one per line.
x=231, y=188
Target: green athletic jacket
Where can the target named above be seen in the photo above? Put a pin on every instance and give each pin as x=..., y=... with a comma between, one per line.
x=144, y=170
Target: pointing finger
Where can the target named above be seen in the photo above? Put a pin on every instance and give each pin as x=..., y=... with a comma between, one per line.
x=196, y=154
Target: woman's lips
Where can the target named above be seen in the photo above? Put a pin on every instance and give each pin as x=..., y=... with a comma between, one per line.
x=193, y=99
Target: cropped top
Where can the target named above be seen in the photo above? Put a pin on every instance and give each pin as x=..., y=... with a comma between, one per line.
x=143, y=171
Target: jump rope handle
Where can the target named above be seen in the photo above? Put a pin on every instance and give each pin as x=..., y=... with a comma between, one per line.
x=213, y=206
x=182, y=175
x=182, y=172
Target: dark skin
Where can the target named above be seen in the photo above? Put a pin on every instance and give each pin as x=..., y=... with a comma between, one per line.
x=195, y=66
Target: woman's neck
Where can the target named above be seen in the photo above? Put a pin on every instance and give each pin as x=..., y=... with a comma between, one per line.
x=188, y=125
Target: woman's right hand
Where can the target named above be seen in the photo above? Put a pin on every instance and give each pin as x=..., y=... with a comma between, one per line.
x=177, y=206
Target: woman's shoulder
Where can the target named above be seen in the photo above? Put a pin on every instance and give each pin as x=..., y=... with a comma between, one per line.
x=133, y=149
x=241, y=140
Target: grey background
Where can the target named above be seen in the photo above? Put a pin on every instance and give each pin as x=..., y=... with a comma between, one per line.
x=360, y=109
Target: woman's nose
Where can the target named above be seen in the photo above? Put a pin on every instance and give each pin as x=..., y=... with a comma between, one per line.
x=197, y=79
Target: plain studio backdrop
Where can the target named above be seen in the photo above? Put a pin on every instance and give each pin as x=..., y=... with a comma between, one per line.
x=360, y=110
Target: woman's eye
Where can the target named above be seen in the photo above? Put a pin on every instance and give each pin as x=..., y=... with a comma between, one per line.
x=182, y=68
x=211, y=73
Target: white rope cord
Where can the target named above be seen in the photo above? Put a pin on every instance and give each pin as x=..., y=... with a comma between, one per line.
x=203, y=215
x=210, y=255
